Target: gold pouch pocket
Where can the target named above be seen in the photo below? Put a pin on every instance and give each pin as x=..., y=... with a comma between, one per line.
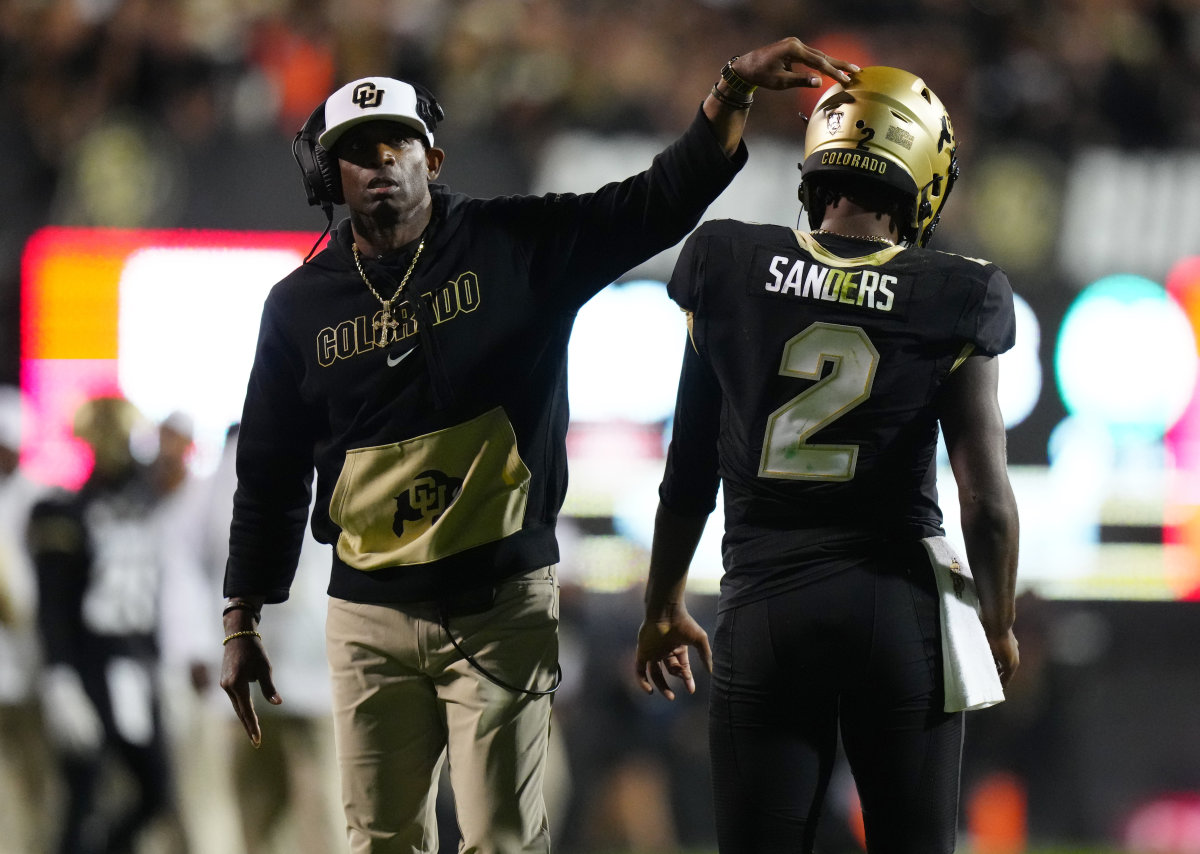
x=431, y=496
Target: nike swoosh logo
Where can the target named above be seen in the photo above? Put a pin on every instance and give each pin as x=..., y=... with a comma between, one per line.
x=395, y=360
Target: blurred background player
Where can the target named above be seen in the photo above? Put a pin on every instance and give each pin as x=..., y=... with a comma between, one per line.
x=25, y=777
x=193, y=722
x=98, y=558
x=285, y=791
x=817, y=371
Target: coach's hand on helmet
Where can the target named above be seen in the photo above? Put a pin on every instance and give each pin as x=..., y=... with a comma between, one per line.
x=778, y=66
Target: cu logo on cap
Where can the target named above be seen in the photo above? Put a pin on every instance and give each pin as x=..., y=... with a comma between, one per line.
x=367, y=95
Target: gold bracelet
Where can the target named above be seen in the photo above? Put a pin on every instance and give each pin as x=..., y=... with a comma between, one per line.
x=730, y=102
x=242, y=634
x=735, y=81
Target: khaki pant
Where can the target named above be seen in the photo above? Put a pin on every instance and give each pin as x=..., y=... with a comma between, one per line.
x=405, y=701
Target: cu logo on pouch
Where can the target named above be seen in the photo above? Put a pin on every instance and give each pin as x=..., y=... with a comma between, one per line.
x=429, y=496
x=367, y=95
x=960, y=585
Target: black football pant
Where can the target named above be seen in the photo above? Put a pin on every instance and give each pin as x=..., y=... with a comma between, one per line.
x=86, y=827
x=860, y=649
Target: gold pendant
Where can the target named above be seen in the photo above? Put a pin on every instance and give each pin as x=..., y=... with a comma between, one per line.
x=385, y=324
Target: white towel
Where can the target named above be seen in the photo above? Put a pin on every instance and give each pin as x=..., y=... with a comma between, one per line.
x=970, y=671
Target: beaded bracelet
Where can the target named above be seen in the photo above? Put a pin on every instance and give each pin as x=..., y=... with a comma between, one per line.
x=735, y=81
x=730, y=102
x=242, y=634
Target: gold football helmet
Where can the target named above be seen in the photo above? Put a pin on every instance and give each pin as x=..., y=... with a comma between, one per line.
x=107, y=424
x=884, y=125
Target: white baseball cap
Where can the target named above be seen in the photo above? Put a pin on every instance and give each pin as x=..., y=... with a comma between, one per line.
x=371, y=99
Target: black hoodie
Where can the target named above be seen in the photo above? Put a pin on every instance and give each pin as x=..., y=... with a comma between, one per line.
x=441, y=457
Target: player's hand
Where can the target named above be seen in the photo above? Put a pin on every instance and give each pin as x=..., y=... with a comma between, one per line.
x=778, y=66
x=245, y=662
x=662, y=648
x=1005, y=653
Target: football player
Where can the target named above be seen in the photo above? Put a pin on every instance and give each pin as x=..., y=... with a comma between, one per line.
x=819, y=367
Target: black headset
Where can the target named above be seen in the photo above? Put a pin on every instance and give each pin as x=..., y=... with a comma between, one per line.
x=318, y=169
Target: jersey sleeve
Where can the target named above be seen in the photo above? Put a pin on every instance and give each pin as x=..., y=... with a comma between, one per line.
x=58, y=545
x=990, y=321
x=691, y=476
x=581, y=243
x=684, y=286
x=275, y=471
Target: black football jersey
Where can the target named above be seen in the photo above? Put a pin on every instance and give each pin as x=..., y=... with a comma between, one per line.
x=809, y=389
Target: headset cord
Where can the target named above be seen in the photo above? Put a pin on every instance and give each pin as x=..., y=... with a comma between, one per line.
x=444, y=620
x=328, y=208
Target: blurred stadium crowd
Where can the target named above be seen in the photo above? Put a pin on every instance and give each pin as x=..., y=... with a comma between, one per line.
x=109, y=103
x=178, y=113
x=148, y=112
x=162, y=113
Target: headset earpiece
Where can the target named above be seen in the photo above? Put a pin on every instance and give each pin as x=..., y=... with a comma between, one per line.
x=331, y=179
x=318, y=169
x=428, y=108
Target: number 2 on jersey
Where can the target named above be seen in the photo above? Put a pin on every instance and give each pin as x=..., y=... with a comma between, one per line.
x=787, y=453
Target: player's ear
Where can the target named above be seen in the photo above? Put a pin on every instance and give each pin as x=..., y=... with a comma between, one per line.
x=433, y=162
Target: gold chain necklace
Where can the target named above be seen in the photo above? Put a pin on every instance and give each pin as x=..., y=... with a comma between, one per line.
x=386, y=323
x=873, y=237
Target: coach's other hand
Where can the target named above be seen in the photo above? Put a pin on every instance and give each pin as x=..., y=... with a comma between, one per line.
x=245, y=662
